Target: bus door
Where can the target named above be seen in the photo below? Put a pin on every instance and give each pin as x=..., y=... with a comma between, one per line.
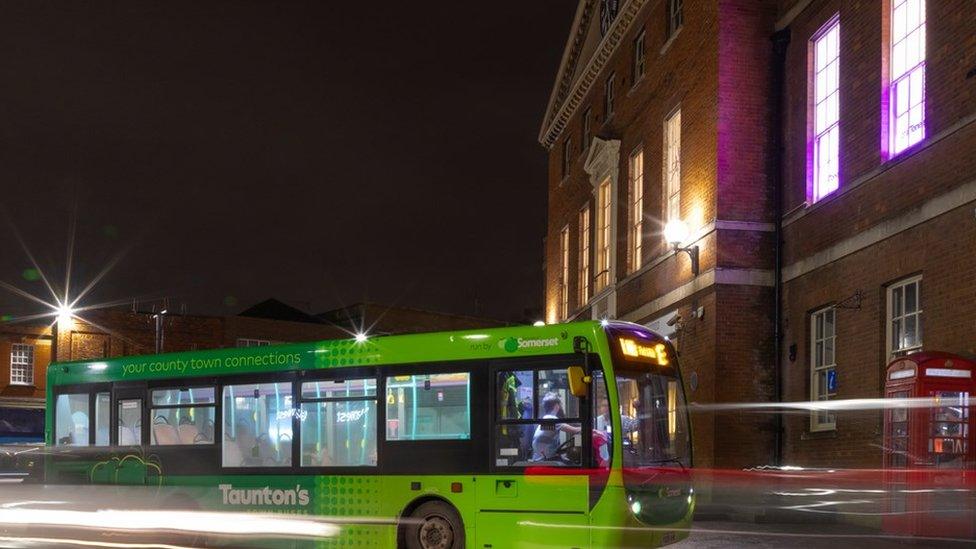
x=128, y=430
x=538, y=482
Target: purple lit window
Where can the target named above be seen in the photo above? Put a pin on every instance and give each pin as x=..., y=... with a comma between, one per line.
x=906, y=102
x=826, y=94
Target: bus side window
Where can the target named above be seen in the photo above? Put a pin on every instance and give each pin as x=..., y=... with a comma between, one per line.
x=338, y=423
x=71, y=420
x=602, y=422
x=428, y=407
x=103, y=407
x=257, y=425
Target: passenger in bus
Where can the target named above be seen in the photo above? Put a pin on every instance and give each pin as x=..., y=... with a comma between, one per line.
x=602, y=422
x=545, y=442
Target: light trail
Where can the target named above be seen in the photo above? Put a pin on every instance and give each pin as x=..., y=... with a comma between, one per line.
x=180, y=521
x=852, y=404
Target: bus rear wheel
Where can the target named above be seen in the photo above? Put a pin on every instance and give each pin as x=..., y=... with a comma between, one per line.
x=434, y=525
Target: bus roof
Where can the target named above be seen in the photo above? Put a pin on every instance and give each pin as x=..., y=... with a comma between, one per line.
x=374, y=351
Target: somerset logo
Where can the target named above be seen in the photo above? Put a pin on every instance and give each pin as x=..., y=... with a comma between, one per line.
x=263, y=496
x=513, y=344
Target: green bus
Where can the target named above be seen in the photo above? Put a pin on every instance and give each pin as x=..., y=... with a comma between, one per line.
x=568, y=435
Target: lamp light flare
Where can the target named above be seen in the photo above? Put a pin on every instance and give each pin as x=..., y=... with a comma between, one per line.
x=65, y=315
x=361, y=337
x=676, y=232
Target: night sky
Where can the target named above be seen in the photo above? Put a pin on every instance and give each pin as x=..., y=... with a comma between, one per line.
x=322, y=153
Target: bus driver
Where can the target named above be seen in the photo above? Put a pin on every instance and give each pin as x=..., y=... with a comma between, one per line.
x=546, y=438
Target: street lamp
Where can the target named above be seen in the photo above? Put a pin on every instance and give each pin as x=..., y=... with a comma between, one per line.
x=65, y=317
x=676, y=232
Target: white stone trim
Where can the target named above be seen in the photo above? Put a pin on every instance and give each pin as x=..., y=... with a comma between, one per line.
x=557, y=116
x=805, y=208
x=741, y=277
x=944, y=203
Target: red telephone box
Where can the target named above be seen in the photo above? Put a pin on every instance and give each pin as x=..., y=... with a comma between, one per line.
x=929, y=449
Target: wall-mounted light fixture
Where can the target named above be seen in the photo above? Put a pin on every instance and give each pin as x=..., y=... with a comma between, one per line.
x=676, y=232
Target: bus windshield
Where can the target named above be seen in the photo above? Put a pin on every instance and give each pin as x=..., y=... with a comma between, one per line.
x=653, y=419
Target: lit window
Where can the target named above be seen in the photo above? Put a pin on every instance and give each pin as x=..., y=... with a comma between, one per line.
x=428, y=407
x=823, y=366
x=826, y=55
x=603, y=205
x=672, y=167
x=567, y=148
x=21, y=364
x=906, y=91
x=338, y=423
x=71, y=427
x=636, y=211
x=538, y=420
x=584, y=255
x=586, y=130
x=608, y=98
x=904, y=317
x=182, y=416
x=675, y=16
x=257, y=425
x=564, y=273
x=640, y=58
x=250, y=342
x=103, y=420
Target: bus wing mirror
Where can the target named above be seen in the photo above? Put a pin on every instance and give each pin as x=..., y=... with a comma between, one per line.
x=579, y=382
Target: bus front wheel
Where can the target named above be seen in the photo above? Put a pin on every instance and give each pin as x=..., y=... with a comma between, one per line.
x=434, y=525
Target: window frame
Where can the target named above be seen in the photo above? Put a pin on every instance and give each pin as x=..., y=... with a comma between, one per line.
x=672, y=173
x=587, y=129
x=815, y=368
x=150, y=407
x=640, y=57
x=564, y=273
x=635, y=209
x=379, y=416
x=674, y=17
x=608, y=96
x=26, y=369
x=92, y=390
x=414, y=373
x=890, y=352
x=567, y=156
x=604, y=236
x=551, y=363
x=820, y=138
x=584, y=266
x=893, y=80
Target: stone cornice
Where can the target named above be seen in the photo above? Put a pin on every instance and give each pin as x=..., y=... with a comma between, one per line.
x=563, y=104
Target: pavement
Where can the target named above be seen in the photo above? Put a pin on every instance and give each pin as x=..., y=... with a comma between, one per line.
x=723, y=534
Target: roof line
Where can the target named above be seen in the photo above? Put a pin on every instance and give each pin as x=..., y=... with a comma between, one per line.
x=556, y=120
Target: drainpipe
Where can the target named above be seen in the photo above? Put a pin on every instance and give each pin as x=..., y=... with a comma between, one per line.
x=781, y=39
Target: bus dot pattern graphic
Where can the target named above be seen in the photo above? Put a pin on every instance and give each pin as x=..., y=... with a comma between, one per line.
x=347, y=353
x=355, y=497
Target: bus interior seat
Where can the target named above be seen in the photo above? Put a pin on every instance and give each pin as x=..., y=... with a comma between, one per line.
x=188, y=433
x=165, y=434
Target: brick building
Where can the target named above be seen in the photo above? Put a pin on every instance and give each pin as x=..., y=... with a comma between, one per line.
x=702, y=114
x=881, y=261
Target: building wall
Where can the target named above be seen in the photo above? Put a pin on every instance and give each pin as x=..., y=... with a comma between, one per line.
x=716, y=69
x=891, y=217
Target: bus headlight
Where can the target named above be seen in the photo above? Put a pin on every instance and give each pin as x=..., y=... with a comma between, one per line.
x=635, y=506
